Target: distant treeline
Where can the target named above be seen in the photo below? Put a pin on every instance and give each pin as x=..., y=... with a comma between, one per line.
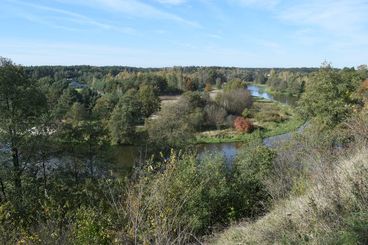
x=178, y=79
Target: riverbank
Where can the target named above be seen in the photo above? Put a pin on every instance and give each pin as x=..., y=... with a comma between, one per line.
x=270, y=118
x=232, y=136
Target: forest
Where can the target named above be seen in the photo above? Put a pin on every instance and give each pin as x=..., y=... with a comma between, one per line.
x=66, y=131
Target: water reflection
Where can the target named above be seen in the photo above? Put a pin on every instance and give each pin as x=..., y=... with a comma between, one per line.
x=258, y=91
x=227, y=150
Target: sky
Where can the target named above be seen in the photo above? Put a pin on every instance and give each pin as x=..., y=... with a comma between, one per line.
x=165, y=33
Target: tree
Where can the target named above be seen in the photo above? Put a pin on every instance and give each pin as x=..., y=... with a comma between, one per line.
x=260, y=78
x=215, y=115
x=329, y=96
x=234, y=85
x=235, y=101
x=65, y=101
x=125, y=116
x=103, y=108
x=159, y=83
x=150, y=102
x=21, y=104
x=173, y=127
x=252, y=166
x=190, y=84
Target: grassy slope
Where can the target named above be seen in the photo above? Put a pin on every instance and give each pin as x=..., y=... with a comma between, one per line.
x=333, y=211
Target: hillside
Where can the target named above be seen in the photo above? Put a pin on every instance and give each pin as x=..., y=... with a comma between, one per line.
x=333, y=211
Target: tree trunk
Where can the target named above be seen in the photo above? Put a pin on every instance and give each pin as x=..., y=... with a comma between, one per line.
x=44, y=173
x=2, y=190
x=17, y=170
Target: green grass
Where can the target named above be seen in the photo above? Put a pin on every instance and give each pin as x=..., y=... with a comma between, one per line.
x=200, y=139
x=282, y=128
x=273, y=118
x=257, y=84
x=277, y=129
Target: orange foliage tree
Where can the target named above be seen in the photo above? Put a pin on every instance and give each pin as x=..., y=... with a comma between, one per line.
x=243, y=125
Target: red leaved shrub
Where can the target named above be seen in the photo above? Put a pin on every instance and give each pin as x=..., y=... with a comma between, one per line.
x=243, y=125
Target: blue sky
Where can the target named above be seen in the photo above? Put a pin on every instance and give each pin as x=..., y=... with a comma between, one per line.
x=156, y=33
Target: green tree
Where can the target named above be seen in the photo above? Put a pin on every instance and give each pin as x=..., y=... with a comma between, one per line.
x=21, y=105
x=125, y=116
x=234, y=85
x=215, y=115
x=65, y=101
x=235, y=101
x=252, y=166
x=150, y=102
x=329, y=96
x=173, y=127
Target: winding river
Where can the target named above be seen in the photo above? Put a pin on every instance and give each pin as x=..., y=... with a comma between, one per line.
x=125, y=156
x=259, y=91
x=230, y=150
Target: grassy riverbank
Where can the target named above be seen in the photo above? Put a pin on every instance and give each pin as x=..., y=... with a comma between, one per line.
x=270, y=119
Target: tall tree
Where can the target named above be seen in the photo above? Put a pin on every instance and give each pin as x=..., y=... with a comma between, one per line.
x=125, y=116
x=21, y=104
x=149, y=100
x=329, y=96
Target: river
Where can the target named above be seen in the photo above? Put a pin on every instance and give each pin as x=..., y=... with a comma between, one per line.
x=121, y=159
x=259, y=91
x=230, y=150
x=124, y=156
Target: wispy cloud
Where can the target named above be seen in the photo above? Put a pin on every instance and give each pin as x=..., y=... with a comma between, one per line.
x=134, y=8
x=214, y=35
x=67, y=16
x=172, y=2
x=337, y=24
x=268, y=4
x=332, y=15
x=41, y=52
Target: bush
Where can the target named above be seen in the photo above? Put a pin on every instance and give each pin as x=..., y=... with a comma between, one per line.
x=215, y=115
x=90, y=228
x=252, y=166
x=243, y=125
x=246, y=113
x=235, y=101
x=186, y=197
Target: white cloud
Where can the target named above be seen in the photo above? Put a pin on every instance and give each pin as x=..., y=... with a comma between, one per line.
x=268, y=4
x=338, y=25
x=133, y=8
x=172, y=2
x=62, y=17
x=332, y=15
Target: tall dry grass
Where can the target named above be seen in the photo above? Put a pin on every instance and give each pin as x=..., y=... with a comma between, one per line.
x=314, y=217
x=331, y=207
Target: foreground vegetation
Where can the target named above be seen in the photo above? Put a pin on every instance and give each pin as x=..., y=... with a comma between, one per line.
x=327, y=205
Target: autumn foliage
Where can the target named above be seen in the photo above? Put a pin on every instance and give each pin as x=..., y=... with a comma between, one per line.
x=208, y=87
x=364, y=86
x=243, y=125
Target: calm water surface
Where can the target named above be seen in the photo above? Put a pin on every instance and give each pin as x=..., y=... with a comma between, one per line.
x=259, y=91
